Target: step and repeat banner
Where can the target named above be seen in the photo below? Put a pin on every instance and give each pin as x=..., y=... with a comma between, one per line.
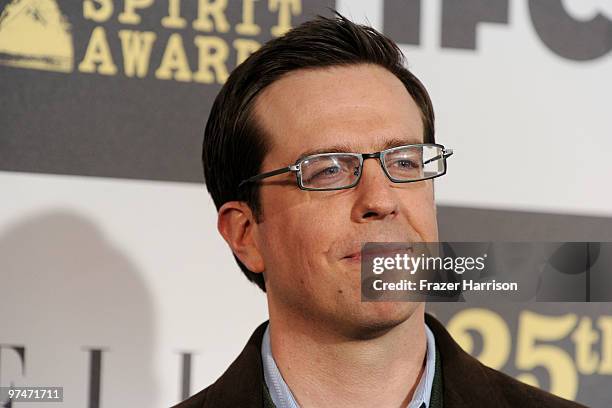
x=116, y=286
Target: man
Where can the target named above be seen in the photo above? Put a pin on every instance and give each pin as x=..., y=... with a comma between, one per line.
x=295, y=203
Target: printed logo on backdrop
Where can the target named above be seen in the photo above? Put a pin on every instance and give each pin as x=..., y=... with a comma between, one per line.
x=34, y=34
x=561, y=348
x=557, y=27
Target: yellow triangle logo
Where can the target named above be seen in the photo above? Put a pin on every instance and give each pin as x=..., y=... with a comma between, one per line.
x=34, y=34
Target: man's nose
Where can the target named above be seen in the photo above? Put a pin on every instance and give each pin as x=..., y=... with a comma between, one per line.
x=375, y=197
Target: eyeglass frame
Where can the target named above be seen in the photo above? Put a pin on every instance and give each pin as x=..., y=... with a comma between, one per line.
x=296, y=167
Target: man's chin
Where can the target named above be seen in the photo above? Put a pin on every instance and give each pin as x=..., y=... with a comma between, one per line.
x=375, y=319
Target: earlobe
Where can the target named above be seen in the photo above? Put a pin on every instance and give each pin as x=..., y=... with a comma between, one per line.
x=236, y=224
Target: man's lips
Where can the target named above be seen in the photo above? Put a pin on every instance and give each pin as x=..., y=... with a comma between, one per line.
x=370, y=254
x=353, y=257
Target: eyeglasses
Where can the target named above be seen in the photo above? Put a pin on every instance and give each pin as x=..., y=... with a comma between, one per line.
x=338, y=171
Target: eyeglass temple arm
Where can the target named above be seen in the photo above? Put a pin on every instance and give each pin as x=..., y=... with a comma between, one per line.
x=445, y=153
x=269, y=174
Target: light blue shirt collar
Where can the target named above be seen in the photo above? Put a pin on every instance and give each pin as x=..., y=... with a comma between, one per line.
x=283, y=398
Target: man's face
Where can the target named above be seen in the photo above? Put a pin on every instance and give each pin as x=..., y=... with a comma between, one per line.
x=309, y=239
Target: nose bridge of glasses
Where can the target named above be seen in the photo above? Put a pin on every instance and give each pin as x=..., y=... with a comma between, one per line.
x=377, y=155
x=370, y=155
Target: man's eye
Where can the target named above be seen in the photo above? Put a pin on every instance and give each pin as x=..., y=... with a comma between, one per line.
x=406, y=164
x=327, y=172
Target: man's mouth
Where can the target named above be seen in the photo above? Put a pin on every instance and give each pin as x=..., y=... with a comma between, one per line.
x=370, y=253
x=355, y=257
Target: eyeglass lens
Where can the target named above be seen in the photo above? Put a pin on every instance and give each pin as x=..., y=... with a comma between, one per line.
x=338, y=170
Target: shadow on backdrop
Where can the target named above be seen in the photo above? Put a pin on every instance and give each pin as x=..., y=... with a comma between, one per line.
x=65, y=290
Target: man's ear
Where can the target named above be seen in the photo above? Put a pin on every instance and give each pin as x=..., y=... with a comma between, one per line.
x=236, y=223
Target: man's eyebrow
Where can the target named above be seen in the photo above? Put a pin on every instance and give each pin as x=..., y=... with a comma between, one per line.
x=339, y=148
x=400, y=142
x=344, y=148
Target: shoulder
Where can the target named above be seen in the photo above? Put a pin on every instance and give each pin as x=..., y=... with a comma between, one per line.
x=240, y=385
x=195, y=401
x=517, y=393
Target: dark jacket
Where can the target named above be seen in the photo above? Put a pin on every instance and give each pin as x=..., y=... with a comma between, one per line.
x=465, y=381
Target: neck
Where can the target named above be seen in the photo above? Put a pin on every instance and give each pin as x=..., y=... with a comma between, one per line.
x=325, y=368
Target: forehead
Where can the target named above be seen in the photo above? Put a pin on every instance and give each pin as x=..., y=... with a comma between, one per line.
x=362, y=107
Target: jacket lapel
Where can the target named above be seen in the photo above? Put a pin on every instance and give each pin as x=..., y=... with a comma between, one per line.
x=241, y=384
x=464, y=379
